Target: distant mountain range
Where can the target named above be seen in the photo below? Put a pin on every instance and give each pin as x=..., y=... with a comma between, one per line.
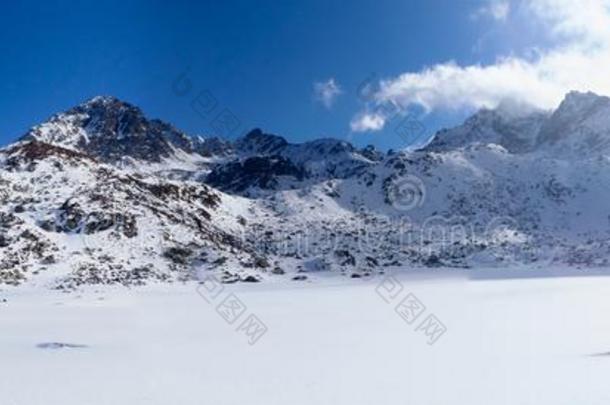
x=101, y=194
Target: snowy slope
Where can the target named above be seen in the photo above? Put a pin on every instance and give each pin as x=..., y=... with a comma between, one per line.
x=70, y=217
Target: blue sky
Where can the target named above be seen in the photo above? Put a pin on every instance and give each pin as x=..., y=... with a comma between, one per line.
x=260, y=61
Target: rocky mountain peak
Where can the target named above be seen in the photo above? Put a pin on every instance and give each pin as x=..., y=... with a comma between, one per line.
x=581, y=124
x=103, y=100
x=579, y=101
x=259, y=142
x=213, y=147
x=111, y=129
x=513, y=127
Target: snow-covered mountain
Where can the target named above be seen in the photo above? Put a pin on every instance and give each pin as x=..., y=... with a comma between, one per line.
x=514, y=128
x=102, y=194
x=111, y=130
x=581, y=125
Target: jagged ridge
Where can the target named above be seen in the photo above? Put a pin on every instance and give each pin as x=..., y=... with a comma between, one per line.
x=524, y=187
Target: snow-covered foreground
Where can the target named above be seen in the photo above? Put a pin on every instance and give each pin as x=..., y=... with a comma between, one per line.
x=518, y=341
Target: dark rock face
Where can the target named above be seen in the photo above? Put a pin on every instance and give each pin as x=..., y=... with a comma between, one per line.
x=249, y=279
x=259, y=143
x=345, y=257
x=214, y=146
x=72, y=218
x=256, y=171
x=178, y=255
x=30, y=152
x=372, y=153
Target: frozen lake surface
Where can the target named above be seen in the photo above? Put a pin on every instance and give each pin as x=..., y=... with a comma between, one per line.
x=330, y=341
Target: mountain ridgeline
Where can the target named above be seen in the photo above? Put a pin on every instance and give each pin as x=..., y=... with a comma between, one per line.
x=100, y=194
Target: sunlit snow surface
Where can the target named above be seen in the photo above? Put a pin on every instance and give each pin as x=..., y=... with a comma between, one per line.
x=329, y=341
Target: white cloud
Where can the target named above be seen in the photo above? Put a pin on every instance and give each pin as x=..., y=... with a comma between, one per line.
x=578, y=62
x=582, y=23
x=368, y=121
x=496, y=9
x=327, y=92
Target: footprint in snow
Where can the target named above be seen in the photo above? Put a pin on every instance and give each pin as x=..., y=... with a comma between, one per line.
x=605, y=354
x=60, y=345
